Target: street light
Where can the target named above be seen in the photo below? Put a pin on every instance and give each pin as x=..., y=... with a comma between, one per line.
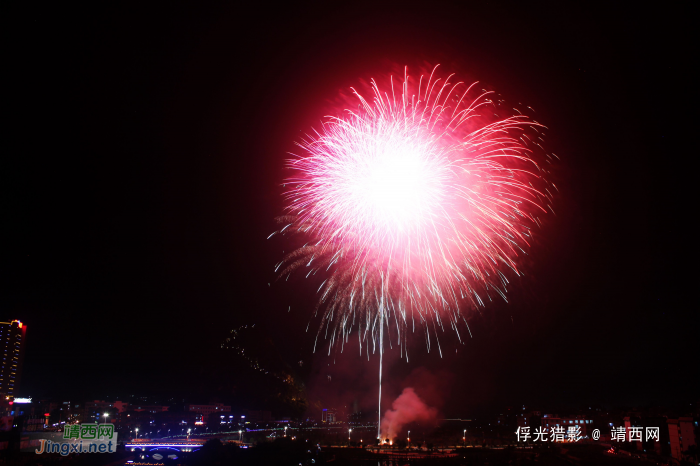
x=285, y=431
x=137, y=432
x=409, y=437
x=105, y=415
x=240, y=433
x=349, y=430
x=464, y=438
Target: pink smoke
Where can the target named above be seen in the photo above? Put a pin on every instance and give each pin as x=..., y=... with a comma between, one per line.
x=408, y=407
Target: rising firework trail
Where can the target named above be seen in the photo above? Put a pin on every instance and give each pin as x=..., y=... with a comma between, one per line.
x=418, y=202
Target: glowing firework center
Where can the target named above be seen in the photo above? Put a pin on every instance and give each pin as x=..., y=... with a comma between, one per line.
x=390, y=189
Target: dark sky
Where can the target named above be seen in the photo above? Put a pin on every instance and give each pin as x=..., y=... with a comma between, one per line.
x=144, y=157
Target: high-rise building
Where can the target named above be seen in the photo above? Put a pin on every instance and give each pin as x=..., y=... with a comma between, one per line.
x=329, y=415
x=12, y=336
x=681, y=436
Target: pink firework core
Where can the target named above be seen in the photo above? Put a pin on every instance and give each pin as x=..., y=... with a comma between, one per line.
x=394, y=188
x=420, y=198
x=379, y=180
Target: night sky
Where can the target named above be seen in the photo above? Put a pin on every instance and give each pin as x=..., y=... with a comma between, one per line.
x=143, y=166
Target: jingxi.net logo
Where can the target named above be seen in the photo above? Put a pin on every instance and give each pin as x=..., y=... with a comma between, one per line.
x=79, y=438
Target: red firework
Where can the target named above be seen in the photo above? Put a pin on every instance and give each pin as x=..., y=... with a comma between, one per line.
x=418, y=201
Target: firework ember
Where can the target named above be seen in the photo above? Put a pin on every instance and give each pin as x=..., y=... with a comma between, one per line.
x=418, y=202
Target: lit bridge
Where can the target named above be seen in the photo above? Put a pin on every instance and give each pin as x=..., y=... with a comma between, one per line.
x=165, y=446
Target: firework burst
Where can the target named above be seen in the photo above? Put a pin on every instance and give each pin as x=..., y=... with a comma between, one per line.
x=416, y=203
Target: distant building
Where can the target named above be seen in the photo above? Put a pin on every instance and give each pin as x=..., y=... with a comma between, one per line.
x=526, y=418
x=681, y=436
x=94, y=411
x=122, y=406
x=61, y=411
x=523, y=420
x=356, y=419
x=258, y=416
x=630, y=422
x=548, y=421
x=145, y=408
x=21, y=407
x=206, y=410
x=329, y=415
x=228, y=421
x=12, y=338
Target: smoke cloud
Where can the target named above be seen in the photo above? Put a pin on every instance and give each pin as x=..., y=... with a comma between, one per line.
x=407, y=408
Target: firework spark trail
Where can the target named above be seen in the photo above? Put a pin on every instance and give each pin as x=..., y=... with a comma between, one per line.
x=412, y=204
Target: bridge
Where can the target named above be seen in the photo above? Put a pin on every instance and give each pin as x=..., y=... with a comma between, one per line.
x=165, y=446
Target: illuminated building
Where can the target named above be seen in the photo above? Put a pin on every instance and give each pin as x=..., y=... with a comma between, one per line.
x=549, y=421
x=681, y=435
x=93, y=411
x=357, y=419
x=21, y=407
x=12, y=337
x=231, y=421
x=328, y=415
